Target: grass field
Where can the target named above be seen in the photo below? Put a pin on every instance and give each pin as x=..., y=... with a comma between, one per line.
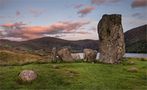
x=77, y=76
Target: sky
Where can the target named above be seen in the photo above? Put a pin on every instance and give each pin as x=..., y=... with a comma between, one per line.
x=66, y=19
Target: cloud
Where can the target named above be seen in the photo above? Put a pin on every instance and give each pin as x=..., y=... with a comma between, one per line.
x=12, y=25
x=131, y=22
x=139, y=3
x=2, y=17
x=70, y=35
x=21, y=30
x=80, y=36
x=100, y=2
x=86, y=10
x=36, y=11
x=139, y=15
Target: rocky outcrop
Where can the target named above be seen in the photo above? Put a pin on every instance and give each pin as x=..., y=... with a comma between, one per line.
x=65, y=55
x=89, y=55
x=27, y=75
x=111, y=38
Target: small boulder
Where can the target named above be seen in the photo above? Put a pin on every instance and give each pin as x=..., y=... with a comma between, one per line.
x=27, y=75
x=133, y=69
x=131, y=63
x=90, y=55
x=65, y=55
x=143, y=59
x=55, y=66
x=75, y=56
x=71, y=73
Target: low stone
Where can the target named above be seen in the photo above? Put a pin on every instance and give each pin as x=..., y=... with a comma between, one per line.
x=71, y=73
x=75, y=56
x=27, y=75
x=64, y=54
x=131, y=62
x=90, y=55
x=143, y=59
x=55, y=66
x=133, y=69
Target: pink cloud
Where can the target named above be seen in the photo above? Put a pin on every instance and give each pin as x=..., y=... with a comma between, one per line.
x=7, y=25
x=17, y=24
x=139, y=3
x=86, y=10
x=20, y=30
x=99, y=2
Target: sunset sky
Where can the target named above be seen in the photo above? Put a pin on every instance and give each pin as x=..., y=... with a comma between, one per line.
x=66, y=19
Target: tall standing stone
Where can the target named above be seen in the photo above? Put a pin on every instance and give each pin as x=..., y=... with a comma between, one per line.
x=111, y=37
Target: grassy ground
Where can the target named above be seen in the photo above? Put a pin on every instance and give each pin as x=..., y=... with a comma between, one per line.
x=78, y=76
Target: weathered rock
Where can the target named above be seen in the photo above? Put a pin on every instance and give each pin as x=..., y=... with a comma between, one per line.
x=75, y=56
x=131, y=63
x=71, y=73
x=27, y=75
x=55, y=66
x=54, y=54
x=90, y=55
x=111, y=37
x=133, y=69
x=65, y=55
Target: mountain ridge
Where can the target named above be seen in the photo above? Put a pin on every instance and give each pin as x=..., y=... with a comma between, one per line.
x=135, y=39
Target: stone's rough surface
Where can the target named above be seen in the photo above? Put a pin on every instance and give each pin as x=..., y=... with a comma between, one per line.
x=131, y=63
x=90, y=55
x=75, y=56
x=65, y=55
x=111, y=37
x=54, y=54
x=55, y=66
x=133, y=69
x=27, y=75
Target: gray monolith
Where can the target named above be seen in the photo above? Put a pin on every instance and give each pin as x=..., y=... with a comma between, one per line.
x=111, y=37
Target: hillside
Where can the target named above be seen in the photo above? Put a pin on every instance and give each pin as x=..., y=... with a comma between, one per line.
x=136, y=39
x=47, y=43
x=13, y=58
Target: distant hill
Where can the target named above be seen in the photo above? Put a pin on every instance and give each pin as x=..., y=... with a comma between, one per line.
x=136, y=41
x=47, y=43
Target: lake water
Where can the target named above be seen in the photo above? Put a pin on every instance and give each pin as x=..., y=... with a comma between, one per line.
x=134, y=55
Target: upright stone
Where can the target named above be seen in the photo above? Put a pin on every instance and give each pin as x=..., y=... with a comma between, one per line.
x=54, y=54
x=111, y=37
x=65, y=55
x=90, y=55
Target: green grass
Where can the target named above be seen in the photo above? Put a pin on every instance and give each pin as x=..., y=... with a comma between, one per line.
x=77, y=76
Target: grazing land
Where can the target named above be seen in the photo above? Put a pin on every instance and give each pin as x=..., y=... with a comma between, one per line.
x=78, y=76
